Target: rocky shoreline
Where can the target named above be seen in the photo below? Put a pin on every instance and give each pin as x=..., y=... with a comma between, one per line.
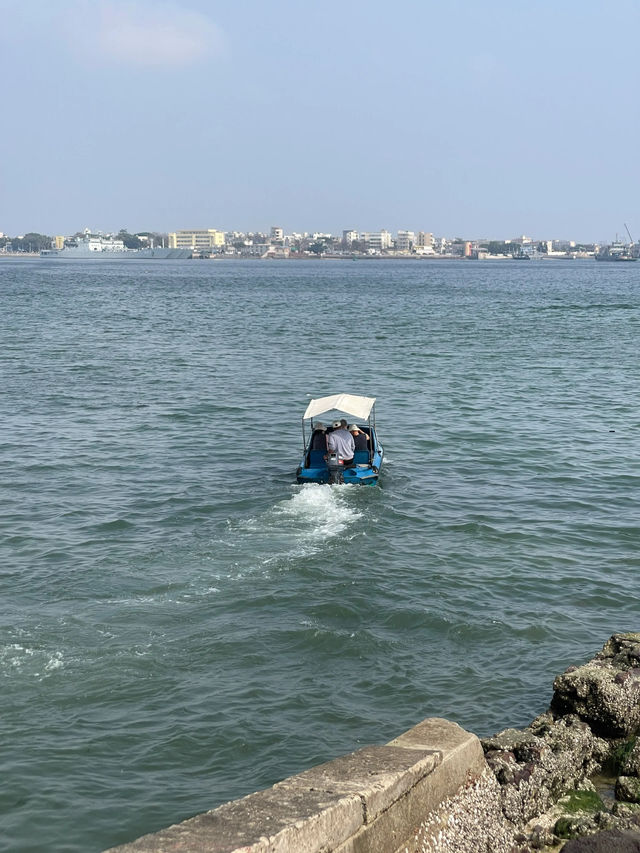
x=570, y=781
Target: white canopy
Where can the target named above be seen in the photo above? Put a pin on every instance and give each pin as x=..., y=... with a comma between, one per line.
x=350, y=404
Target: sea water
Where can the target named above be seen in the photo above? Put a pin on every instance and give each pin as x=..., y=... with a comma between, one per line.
x=181, y=624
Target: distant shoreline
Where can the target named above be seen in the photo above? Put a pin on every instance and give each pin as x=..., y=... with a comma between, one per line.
x=19, y=255
x=413, y=258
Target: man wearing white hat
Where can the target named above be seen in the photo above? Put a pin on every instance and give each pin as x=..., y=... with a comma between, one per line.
x=341, y=442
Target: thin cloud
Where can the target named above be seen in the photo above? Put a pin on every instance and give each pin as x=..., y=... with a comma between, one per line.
x=142, y=34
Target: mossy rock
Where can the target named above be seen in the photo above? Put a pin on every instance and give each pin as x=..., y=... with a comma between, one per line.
x=589, y=802
x=574, y=827
x=620, y=754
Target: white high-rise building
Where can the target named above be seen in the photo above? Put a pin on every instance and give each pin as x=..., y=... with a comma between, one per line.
x=405, y=241
x=378, y=241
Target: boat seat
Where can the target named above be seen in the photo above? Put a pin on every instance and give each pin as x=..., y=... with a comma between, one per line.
x=319, y=441
x=361, y=457
x=316, y=459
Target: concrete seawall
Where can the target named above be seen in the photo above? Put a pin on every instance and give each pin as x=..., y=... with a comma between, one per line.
x=427, y=791
x=438, y=789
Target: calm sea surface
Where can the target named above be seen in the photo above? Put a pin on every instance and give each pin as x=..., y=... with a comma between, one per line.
x=180, y=624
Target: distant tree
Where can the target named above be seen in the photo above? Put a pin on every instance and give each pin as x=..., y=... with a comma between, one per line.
x=318, y=248
x=129, y=240
x=31, y=242
x=494, y=247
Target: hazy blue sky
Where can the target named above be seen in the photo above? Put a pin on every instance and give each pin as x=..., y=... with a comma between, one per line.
x=462, y=118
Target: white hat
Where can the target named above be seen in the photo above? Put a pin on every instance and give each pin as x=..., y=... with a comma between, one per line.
x=354, y=428
x=336, y=424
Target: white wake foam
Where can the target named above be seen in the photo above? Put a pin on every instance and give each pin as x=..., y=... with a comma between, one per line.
x=296, y=527
x=319, y=512
x=16, y=658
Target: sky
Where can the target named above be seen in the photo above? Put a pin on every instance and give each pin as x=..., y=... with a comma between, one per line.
x=460, y=118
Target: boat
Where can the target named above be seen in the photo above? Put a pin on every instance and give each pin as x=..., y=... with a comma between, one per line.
x=616, y=251
x=98, y=248
x=321, y=465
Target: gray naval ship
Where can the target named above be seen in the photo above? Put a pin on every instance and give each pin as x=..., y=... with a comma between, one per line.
x=95, y=247
x=616, y=251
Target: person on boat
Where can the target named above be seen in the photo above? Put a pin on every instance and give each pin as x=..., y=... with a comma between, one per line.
x=341, y=442
x=319, y=437
x=360, y=438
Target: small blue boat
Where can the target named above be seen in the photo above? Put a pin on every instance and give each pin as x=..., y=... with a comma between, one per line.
x=322, y=461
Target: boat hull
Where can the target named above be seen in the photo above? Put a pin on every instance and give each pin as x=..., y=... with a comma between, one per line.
x=360, y=475
x=617, y=252
x=159, y=254
x=614, y=260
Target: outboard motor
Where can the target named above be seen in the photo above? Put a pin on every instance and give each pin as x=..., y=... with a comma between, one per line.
x=335, y=468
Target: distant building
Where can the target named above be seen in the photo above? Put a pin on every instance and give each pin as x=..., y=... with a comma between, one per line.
x=378, y=241
x=405, y=241
x=349, y=237
x=424, y=240
x=58, y=242
x=277, y=234
x=197, y=240
x=254, y=250
x=277, y=252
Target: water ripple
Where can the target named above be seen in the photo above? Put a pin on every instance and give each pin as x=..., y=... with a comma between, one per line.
x=173, y=606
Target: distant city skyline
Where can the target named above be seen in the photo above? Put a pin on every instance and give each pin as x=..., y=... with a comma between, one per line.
x=461, y=118
x=276, y=243
x=277, y=232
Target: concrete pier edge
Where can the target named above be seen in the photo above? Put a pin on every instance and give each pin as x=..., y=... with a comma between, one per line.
x=438, y=789
x=374, y=799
